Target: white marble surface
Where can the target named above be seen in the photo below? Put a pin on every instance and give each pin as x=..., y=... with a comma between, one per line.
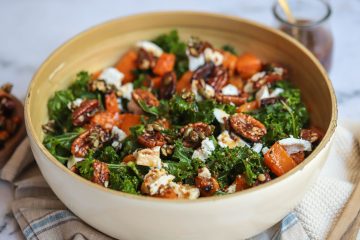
x=31, y=30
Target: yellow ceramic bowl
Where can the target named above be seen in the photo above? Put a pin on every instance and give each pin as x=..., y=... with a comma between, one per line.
x=125, y=216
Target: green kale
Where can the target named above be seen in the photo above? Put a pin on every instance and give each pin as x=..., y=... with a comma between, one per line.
x=285, y=117
x=182, y=166
x=108, y=155
x=229, y=48
x=80, y=86
x=60, y=145
x=125, y=177
x=171, y=43
x=151, y=110
x=141, y=79
x=59, y=111
x=225, y=164
x=85, y=167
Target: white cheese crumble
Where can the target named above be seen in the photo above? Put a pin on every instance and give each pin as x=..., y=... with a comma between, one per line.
x=163, y=180
x=264, y=150
x=126, y=90
x=257, y=147
x=249, y=87
x=220, y=115
x=150, y=47
x=262, y=93
x=148, y=157
x=72, y=161
x=231, y=188
x=225, y=140
x=276, y=92
x=118, y=135
x=185, y=191
x=74, y=104
x=209, y=91
x=214, y=56
x=204, y=173
x=295, y=145
x=203, y=153
x=195, y=62
x=112, y=77
x=194, y=90
x=279, y=71
x=257, y=76
x=230, y=90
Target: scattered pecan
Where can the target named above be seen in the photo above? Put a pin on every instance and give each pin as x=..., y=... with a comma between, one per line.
x=168, y=85
x=146, y=60
x=270, y=101
x=268, y=79
x=218, y=78
x=312, y=135
x=247, y=126
x=98, y=85
x=101, y=173
x=194, y=133
x=298, y=157
x=84, y=112
x=92, y=138
x=151, y=139
x=196, y=46
x=167, y=150
x=207, y=186
x=7, y=105
x=204, y=71
x=147, y=97
x=230, y=99
x=163, y=122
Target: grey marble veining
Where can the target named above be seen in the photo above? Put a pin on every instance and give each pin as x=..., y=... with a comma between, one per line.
x=31, y=30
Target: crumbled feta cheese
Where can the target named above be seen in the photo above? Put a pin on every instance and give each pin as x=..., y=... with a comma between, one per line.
x=195, y=62
x=204, y=173
x=194, y=90
x=203, y=153
x=220, y=115
x=230, y=90
x=214, y=56
x=225, y=140
x=279, y=71
x=148, y=157
x=118, y=135
x=257, y=76
x=209, y=91
x=257, y=147
x=262, y=93
x=112, y=77
x=185, y=191
x=72, y=161
x=126, y=90
x=106, y=184
x=249, y=87
x=74, y=104
x=295, y=145
x=231, y=188
x=150, y=47
x=276, y=92
x=163, y=180
x=264, y=150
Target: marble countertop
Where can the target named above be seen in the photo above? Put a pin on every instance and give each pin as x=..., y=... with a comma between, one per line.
x=31, y=30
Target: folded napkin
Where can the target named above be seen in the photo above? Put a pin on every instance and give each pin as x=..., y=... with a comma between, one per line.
x=41, y=215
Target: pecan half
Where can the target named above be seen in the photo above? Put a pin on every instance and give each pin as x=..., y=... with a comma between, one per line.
x=312, y=135
x=151, y=139
x=101, y=173
x=92, y=138
x=247, y=126
x=196, y=46
x=218, y=78
x=270, y=101
x=84, y=112
x=168, y=85
x=230, y=99
x=203, y=72
x=146, y=60
x=194, y=133
x=147, y=97
x=207, y=186
x=298, y=157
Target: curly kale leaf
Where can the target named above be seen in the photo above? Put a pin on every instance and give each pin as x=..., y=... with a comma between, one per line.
x=109, y=155
x=85, y=167
x=225, y=164
x=182, y=166
x=229, y=48
x=59, y=111
x=171, y=43
x=285, y=117
x=125, y=177
x=60, y=145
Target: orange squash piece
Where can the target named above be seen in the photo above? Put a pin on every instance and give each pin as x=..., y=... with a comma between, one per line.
x=278, y=160
x=111, y=103
x=247, y=65
x=128, y=120
x=241, y=183
x=106, y=120
x=156, y=82
x=164, y=64
x=129, y=158
x=248, y=107
x=184, y=82
x=229, y=62
x=126, y=65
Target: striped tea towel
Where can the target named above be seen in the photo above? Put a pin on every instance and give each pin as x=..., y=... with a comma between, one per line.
x=41, y=215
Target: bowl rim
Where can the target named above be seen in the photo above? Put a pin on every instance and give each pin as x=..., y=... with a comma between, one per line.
x=327, y=137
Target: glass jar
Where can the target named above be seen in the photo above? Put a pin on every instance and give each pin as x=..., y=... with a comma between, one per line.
x=311, y=26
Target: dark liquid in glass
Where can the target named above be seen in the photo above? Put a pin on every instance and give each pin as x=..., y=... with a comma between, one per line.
x=317, y=39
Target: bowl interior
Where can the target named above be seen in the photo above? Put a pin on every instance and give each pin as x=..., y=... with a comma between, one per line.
x=102, y=46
